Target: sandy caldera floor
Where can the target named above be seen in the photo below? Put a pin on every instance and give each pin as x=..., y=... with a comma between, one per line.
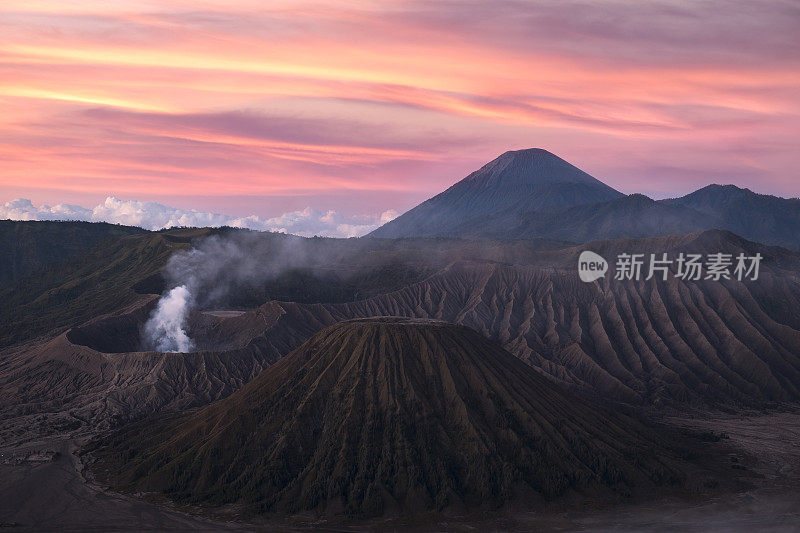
x=773, y=505
x=42, y=489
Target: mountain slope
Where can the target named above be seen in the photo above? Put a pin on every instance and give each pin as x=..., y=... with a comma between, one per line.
x=703, y=342
x=647, y=342
x=634, y=216
x=532, y=194
x=27, y=246
x=491, y=198
x=387, y=416
x=758, y=217
x=82, y=287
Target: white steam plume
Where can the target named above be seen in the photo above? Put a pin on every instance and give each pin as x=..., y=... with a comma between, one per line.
x=166, y=327
x=236, y=267
x=208, y=273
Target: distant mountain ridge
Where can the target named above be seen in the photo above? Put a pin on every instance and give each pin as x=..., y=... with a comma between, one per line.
x=529, y=194
x=759, y=217
x=629, y=217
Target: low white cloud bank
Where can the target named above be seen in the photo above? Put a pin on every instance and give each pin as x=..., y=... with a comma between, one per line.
x=155, y=216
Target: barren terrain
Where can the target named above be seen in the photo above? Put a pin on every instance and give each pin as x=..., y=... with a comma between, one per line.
x=37, y=496
x=705, y=348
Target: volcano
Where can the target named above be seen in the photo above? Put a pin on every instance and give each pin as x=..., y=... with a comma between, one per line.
x=534, y=194
x=391, y=416
x=493, y=198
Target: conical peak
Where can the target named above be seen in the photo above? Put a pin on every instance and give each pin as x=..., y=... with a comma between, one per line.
x=526, y=168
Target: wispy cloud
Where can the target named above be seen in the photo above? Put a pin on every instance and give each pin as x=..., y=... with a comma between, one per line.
x=245, y=97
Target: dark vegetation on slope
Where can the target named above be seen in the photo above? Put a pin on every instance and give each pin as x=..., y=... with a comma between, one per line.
x=355, y=270
x=333, y=283
x=27, y=246
x=110, y=275
x=84, y=286
x=394, y=416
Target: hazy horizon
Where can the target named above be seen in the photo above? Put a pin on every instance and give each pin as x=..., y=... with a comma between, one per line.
x=152, y=215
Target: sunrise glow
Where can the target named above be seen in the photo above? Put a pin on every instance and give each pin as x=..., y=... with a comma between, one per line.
x=388, y=103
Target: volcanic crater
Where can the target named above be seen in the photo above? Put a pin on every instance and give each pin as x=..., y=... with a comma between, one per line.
x=210, y=330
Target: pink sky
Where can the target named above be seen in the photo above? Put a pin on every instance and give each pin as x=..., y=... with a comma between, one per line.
x=245, y=107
